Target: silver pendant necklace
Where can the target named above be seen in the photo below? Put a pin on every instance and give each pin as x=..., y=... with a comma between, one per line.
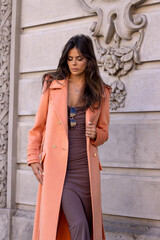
x=77, y=91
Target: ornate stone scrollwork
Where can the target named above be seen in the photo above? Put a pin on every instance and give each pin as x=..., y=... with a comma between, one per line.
x=117, y=46
x=117, y=95
x=5, y=39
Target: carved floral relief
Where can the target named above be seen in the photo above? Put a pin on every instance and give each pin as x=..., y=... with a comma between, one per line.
x=116, y=44
x=5, y=39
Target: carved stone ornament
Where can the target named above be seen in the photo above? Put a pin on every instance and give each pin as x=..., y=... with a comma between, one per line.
x=5, y=39
x=118, y=94
x=116, y=44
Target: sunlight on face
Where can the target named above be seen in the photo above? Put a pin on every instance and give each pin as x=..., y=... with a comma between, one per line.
x=76, y=62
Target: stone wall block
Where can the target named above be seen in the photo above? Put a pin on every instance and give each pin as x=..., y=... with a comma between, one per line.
x=126, y=231
x=29, y=96
x=27, y=187
x=4, y=224
x=143, y=88
x=23, y=130
x=132, y=146
x=22, y=225
x=35, y=13
x=131, y=196
x=150, y=50
x=40, y=51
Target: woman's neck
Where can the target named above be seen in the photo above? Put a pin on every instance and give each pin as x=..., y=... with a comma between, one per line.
x=77, y=80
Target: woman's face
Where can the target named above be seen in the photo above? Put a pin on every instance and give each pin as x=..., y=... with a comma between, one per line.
x=76, y=62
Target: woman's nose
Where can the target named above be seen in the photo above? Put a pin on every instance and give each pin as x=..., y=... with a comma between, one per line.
x=74, y=62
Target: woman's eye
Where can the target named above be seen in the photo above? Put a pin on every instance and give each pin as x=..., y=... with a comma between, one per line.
x=79, y=59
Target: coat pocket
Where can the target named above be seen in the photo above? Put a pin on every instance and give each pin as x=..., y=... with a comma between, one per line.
x=43, y=157
x=100, y=167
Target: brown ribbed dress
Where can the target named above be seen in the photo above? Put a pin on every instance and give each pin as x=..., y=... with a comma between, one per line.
x=76, y=198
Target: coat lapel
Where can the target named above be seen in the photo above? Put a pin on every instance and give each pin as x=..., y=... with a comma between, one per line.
x=60, y=101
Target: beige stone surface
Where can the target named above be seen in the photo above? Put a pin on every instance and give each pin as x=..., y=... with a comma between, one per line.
x=150, y=2
x=142, y=94
x=41, y=50
x=23, y=130
x=29, y=96
x=25, y=231
x=131, y=196
x=127, y=236
x=35, y=13
x=35, y=44
x=132, y=146
x=4, y=224
x=143, y=87
x=22, y=225
x=26, y=187
x=150, y=50
x=130, y=158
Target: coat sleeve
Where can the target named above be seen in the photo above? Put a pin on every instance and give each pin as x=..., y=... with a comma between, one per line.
x=103, y=121
x=36, y=133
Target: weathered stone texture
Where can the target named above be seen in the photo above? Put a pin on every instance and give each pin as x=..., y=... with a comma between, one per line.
x=22, y=225
x=150, y=50
x=29, y=96
x=4, y=224
x=5, y=40
x=27, y=186
x=130, y=158
x=23, y=129
x=36, y=13
x=137, y=145
x=124, y=231
x=45, y=46
x=131, y=196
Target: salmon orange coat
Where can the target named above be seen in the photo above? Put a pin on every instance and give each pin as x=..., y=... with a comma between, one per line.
x=49, y=137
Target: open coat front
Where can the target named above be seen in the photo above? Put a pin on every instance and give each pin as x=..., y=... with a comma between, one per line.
x=49, y=136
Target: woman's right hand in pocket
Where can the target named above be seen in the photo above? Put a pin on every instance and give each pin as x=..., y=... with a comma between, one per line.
x=38, y=171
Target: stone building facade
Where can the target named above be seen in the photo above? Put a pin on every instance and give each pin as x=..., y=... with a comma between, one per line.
x=126, y=39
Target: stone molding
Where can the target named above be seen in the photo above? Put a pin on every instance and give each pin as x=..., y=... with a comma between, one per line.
x=126, y=228
x=5, y=40
x=117, y=47
x=128, y=231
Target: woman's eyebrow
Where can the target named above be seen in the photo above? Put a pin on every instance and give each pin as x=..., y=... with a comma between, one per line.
x=76, y=56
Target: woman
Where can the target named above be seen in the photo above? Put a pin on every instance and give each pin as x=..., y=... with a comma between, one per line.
x=71, y=121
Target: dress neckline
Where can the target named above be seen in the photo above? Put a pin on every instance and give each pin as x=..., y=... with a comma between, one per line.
x=76, y=106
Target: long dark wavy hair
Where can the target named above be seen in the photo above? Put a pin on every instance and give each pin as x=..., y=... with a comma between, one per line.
x=94, y=85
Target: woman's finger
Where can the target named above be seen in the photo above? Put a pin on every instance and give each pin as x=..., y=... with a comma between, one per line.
x=37, y=170
x=91, y=134
x=39, y=177
x=90, y=130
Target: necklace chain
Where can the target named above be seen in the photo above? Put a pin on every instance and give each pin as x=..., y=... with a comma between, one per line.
x=77, y=91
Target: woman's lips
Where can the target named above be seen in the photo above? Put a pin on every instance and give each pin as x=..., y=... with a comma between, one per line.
x=74, y=69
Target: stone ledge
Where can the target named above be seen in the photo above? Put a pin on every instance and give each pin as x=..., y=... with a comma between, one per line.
x=4, y=223
x=121, y=231
x=22, y=228
x=22, y=225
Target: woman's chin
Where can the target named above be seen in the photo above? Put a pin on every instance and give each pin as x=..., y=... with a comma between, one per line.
x=77, y=73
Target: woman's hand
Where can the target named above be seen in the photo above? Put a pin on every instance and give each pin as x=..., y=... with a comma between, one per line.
x=38, y=171
x=91, y=131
